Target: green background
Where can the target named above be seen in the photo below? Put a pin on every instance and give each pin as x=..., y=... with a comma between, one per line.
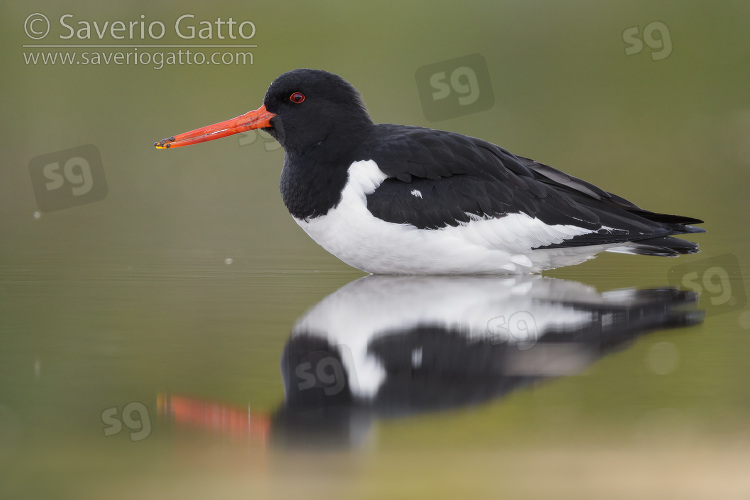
x=125, y=298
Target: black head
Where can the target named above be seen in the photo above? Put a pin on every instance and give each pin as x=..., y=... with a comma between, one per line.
x=304, y=109
x=313, y=107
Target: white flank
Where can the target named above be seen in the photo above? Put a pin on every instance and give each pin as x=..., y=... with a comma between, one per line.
x=481, y=246
x=481, y=308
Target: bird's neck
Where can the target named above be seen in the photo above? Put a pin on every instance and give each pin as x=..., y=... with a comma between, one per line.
x=312, y=181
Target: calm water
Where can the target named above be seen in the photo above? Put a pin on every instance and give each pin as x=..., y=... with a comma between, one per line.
x=176, y=335
x=200, y=378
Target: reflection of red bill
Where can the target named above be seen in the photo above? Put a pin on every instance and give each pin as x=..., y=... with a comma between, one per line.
x=225, y=419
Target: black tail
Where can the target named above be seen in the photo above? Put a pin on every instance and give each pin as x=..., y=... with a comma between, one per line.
x=677, y=223
x=664, y=246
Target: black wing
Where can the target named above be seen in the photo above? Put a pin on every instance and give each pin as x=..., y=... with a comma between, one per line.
x=438, y=179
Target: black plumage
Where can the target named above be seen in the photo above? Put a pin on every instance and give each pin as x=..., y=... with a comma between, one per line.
x=432, y=180
x=440, y=179
x=437, y=178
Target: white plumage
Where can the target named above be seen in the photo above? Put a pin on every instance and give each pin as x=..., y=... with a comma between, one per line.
x=514, y=310
x=482, y=246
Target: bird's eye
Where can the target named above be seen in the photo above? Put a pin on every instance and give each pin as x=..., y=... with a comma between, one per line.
x=297, y=97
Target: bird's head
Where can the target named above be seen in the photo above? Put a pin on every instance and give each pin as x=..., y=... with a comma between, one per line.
x=302, y=109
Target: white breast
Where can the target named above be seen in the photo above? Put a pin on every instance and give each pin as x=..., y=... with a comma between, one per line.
x=483, y=309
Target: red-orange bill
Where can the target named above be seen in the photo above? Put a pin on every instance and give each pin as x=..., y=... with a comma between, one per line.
x=259, y=118
x=217, y=417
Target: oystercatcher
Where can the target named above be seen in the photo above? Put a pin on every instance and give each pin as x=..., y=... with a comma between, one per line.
x=396, y=199
x=382, y=327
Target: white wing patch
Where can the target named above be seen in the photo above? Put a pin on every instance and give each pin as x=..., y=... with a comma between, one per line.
x=416, y=193
x=416, y=358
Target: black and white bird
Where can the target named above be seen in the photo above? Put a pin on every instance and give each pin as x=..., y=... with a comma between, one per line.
x=396, y=199
x=394, y=346
x=384, y=347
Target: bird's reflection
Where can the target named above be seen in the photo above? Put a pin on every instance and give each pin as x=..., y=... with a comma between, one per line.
x=383, y=347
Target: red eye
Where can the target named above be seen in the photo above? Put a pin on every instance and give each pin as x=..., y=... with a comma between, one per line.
x=297, y=97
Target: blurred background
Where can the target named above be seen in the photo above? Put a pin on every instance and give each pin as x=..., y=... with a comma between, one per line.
x=181, y=272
